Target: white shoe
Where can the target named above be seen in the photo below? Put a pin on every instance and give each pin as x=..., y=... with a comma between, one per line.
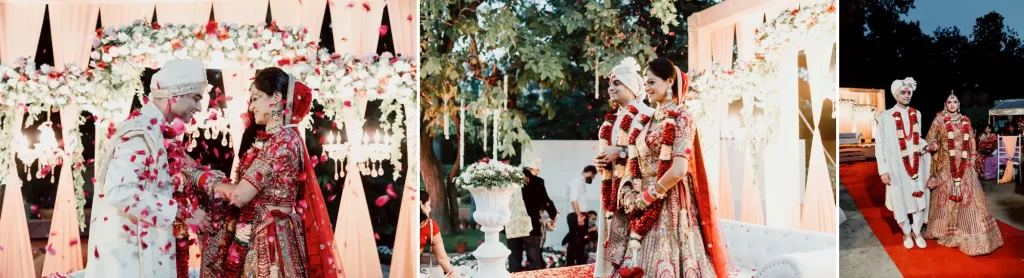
x=907, y=242
x=920, y=241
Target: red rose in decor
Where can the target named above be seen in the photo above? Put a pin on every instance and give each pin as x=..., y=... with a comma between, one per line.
x=485, y=160
x=284, y=62
x=155, y=26
x=794, y=12
x=383, y=30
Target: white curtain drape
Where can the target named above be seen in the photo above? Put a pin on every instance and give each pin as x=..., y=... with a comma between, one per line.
x=745, y=36
x=750, y=207
x=356, y=27
x=64, y=229
x=354, y=233
x=184, y=12
x=21, y=24
x=819, y=205
x=404, y=18
x=114, y=15
x=16, y=258
x=72, y=28
x=782, y=174
x=240, y=12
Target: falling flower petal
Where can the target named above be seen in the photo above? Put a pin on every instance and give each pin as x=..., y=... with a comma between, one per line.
x=381, y=201
x=390, y=190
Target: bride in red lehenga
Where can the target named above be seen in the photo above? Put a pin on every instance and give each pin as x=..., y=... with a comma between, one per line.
x=672, y=228
x=960, y=216
x=276, y=224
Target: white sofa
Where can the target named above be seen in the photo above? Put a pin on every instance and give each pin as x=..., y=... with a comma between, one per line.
x=762, y=251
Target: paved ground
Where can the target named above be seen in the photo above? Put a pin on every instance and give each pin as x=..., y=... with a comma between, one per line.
x=861, y=254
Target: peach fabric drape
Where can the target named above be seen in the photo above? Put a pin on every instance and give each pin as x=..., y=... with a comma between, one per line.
x=286, y=12
x=16, y=257
x=725, y=209
x=115, y=15
x=1010, y=143
x=309, y=14
x=312, y=15
x=721, y=45
x=404, y=18
x=240, y=12
x=353, y=232
x=184, y=12
x=21, y=24
x=72, y=29
x=359, y=33
x=750, y=208
x=64, y=230
x=405, y=260
x=236, y=87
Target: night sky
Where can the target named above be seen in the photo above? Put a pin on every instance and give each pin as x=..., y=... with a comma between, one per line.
x=933, y=14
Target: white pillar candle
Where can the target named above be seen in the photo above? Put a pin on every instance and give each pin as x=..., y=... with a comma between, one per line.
x=462, y=136
x=497, y=115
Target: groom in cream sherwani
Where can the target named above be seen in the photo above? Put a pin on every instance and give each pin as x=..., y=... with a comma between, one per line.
x=903, y=162
x=133, y=210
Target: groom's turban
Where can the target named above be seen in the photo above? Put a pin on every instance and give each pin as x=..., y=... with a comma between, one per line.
x=907, y=84
x=178, y=77
x=628, y=72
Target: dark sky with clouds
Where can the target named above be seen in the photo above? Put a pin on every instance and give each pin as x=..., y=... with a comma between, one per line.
x=962, y=13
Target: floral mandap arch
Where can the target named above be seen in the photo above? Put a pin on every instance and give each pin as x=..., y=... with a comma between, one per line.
x=342, y=83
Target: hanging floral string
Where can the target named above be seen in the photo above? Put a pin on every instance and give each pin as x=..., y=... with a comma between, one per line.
x=964, y=124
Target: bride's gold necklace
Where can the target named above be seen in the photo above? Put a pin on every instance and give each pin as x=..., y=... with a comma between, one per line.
x=660, y=110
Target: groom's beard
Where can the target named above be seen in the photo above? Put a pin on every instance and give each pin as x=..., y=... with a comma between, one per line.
x=589, y=180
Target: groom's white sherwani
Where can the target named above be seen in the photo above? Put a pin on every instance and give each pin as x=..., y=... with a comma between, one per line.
x=603, y=268
x=131, y=231
x=899, y=194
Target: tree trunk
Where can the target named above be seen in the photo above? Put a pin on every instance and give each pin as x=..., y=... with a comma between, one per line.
x=453, y=173
x=431, y=174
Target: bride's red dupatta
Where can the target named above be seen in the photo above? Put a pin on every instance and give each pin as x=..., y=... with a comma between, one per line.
x=320, y=246
x=714, y=244
x=321, y=250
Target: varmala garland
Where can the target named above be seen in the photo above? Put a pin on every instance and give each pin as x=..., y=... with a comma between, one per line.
x=635, y=182
x=915, y=136
x=956, y=194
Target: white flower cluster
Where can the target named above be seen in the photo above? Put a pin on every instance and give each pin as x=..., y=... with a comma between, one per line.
x=491, y=174
x=796, y=29
x=21, y=83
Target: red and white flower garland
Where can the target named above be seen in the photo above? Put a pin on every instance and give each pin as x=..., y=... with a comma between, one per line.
x=607, y=188
x=643, y=219
x=915, y=137
x=957, y=172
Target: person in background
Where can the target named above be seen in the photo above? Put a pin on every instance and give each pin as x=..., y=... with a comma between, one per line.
x=535, y=197
x=987, y=144
x=576, y=252
x=429, y=233
x=1011, y=130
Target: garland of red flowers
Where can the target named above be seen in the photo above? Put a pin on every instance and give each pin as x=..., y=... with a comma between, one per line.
x=643, y=221
x=915, y=136
x=956, y=194
x=607, y=190
x=233, y=264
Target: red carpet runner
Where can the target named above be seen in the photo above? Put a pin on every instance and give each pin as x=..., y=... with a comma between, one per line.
x=567, y=272
x=868, y=192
